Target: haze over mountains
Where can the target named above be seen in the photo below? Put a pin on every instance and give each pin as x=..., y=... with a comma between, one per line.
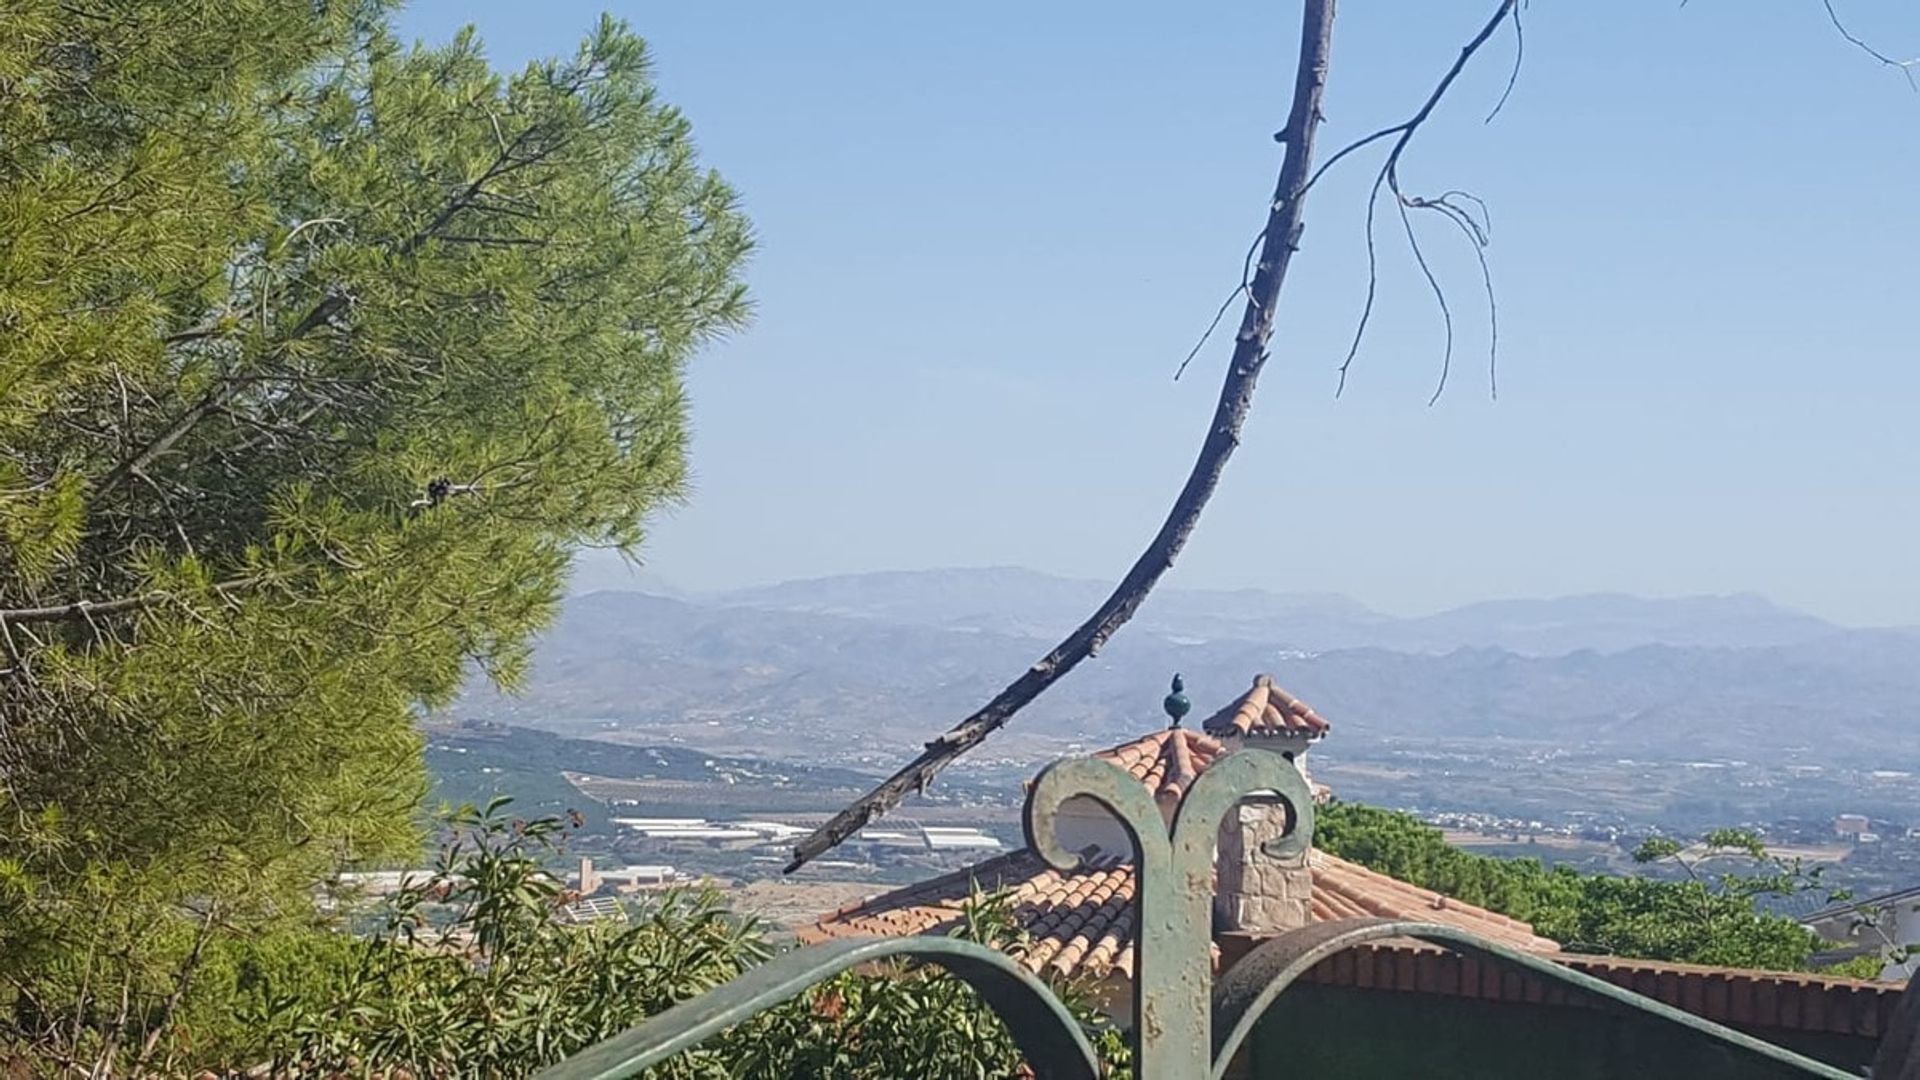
x=1008, y=600
x=889, y=659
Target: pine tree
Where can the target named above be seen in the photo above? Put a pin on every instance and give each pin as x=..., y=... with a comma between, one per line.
x=318, y=353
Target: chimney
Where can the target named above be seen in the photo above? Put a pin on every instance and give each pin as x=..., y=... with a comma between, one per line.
x=589, y=881
x=1257, y=892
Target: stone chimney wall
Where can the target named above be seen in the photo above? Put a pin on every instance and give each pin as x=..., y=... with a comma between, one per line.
x=1256, y=892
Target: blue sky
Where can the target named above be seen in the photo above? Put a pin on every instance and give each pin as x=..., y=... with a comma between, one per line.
x=989, y=232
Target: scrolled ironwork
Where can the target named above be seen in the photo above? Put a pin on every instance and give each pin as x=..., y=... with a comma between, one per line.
x=1252, y=985
x=1043, y=1029
x=1173, y=887
x=1185, y=1023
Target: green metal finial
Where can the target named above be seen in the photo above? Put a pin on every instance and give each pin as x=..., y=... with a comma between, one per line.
x=1176, y=703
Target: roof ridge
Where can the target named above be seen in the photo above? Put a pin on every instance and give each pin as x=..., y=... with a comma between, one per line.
x=1266, y=709
x=1908, y=893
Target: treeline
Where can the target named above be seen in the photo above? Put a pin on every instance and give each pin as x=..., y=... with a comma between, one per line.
x=1703, y=918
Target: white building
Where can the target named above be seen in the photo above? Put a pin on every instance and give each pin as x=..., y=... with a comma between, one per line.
x=941, y=838
x=378, y=882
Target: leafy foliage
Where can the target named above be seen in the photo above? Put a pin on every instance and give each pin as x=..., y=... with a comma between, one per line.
x=472, y=975
x=1703, y=919
x=317, y=355
x=905, y=1022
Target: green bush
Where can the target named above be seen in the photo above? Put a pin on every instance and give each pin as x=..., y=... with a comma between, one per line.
x=1702, y=919
x=471, y=975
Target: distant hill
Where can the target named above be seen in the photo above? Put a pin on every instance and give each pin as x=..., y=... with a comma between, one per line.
x=861, y=670
x=473, y=763
x=1024, y=602
x=1609, y=622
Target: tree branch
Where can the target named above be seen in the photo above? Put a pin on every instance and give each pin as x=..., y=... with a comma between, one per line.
x=319, y=316
x=80, y=610
x=1279, y=241
x=210, y=401
x=1904, y=67
x=1389, y=176
x=182, y=981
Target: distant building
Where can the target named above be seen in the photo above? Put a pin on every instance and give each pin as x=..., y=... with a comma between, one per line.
x=1851, y=825
x=590, y=910
x=958, y=839
x=589, y=879
x=1888, y=924
x=377, y=882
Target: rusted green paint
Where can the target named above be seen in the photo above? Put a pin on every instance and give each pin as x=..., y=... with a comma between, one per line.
x=1173, y=959
x=1041, y=1026
x=1185, y=1025
x=1251, y=986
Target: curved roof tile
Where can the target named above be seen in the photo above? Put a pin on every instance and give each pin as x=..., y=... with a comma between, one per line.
x=1080, y=921
x=1266, y=709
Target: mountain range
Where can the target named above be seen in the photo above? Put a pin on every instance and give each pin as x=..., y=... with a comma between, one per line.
x=1011, y=600
x=877, y=663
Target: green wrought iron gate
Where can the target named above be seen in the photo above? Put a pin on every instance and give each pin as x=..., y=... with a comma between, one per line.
x=1185, y=1024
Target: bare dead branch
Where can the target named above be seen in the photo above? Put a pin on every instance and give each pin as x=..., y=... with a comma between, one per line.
x=1904, y=67
x=1208, y=332
x=1513, y=76
x=1279, y=240
x=1477, y=231
x=1389, y=176
x=321, y=314
x=1439, y=294
x=1373, y=284
x=1246, y=282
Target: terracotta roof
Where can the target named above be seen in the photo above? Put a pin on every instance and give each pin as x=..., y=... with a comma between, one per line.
x=1735, y=996
x=1078, y=921
x=1167, y=761
x=1081, y=921
x=1267, y=710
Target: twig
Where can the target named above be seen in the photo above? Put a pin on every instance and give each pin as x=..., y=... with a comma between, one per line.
x=1389, y=176
x=1439, y=294
x=1904, y=67
x=1246, y=282
x=182, y=981
x=1513, y=76
x=333, y=305
x=1279, y=240
x=1476, y=232
x=1373, y=284
x=1211, y=327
